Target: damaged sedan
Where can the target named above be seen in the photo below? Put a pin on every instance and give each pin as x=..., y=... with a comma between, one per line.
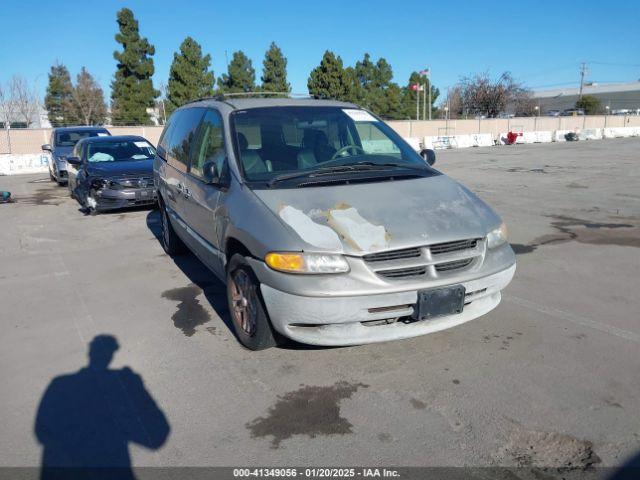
x=108, y=173
x=326, y=226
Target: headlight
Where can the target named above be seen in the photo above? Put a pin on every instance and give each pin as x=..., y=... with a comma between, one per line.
x=306, y=262
x=99, y=183
x=497, y=237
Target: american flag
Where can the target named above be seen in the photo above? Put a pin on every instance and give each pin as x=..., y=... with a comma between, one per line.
x=424, y=72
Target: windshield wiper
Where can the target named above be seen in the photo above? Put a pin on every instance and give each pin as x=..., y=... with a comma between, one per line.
x=350, y=167
x=390, y=164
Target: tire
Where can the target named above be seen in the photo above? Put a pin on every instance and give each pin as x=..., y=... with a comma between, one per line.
x=248, y=314
x=171, y=243
x=92, y=210
x=51, y=177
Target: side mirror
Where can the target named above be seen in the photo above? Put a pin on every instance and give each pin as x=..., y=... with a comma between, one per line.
x=210, y=173
x=428, y=155
x=46, y=147
x=74, y=161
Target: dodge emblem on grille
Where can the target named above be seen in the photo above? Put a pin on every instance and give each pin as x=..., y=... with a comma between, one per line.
x=142, y=183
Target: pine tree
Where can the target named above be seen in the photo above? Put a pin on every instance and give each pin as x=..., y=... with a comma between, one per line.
x=376, y=90
x=274, y=71
x=59, y=98
x=189, y=76
x=330, y=80
x=241, y=76
x=89, y=100
x=132, y=89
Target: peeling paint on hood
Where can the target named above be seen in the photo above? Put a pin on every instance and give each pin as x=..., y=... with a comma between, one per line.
x=354, y=229
x=410, y=212
x=311, y=232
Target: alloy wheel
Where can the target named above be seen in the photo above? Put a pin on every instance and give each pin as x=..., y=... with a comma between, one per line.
x=243, y=299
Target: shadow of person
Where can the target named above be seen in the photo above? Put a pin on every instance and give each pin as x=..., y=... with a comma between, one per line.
x=86, y=419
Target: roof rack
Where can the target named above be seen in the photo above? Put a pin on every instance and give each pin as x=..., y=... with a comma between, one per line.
x=222, y=97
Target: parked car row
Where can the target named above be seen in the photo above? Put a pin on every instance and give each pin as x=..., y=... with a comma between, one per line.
x=569, y=112
x=101, y=171
x=325, y=225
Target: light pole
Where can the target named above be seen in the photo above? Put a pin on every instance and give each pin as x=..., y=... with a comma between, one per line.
x=535, y=118
x=446, y=119
x=606, y=114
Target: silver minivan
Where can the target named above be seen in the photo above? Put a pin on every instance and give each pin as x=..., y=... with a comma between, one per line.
x=325, y=225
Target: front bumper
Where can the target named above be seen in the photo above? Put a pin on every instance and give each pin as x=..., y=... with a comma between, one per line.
x=110, y=199
x=355, y=320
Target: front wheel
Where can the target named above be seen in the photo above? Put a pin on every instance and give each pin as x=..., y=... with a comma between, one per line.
x=248, y=314
x=91, y=204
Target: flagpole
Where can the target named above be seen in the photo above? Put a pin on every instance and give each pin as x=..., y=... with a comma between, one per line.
x=417, y=101
x=429, y=78
x=424, y=102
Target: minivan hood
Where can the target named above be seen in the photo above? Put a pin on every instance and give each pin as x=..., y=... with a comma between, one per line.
x=361, y=218
x=116, y=169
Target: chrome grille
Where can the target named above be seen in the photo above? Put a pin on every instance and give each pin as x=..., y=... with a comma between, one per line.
x=393, y=255
x=139, y=181
x=430, y=261
x=445, y=267
x=404, y=272
x=447, y=247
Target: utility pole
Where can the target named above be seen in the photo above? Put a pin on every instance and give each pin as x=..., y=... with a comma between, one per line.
x=583, y=71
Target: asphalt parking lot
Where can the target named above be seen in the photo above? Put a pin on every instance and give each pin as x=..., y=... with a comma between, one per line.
x=549, y=378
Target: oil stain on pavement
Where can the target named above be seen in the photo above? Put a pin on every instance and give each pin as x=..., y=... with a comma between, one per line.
x=584, y=231
x=548, y=450
x=310, y=410
x=50, y=195
x=189, y=311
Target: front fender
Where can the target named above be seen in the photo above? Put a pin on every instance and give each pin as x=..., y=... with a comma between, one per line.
x=244, y=217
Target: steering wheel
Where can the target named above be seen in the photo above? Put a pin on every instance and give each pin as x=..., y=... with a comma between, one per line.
x=353, y=148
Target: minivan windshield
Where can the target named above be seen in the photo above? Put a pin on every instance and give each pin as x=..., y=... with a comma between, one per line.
x=276, y=143
x=69, y=138
x=119, y=150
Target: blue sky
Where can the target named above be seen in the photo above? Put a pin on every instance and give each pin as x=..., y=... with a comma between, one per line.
x=542, y=43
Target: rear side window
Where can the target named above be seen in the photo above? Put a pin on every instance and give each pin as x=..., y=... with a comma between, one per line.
x=209, y=144
x=163, y=143
x=184, y=124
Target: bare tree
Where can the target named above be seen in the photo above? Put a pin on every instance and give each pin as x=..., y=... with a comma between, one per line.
x=24, y=99
x=483, y=96
x=89, y=99
x=6, y=106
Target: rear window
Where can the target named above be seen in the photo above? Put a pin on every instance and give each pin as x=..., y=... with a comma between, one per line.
x=70, y=138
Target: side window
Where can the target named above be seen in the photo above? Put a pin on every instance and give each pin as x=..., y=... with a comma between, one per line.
x=209, y=144
x=182, y=135
x=163, y=143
